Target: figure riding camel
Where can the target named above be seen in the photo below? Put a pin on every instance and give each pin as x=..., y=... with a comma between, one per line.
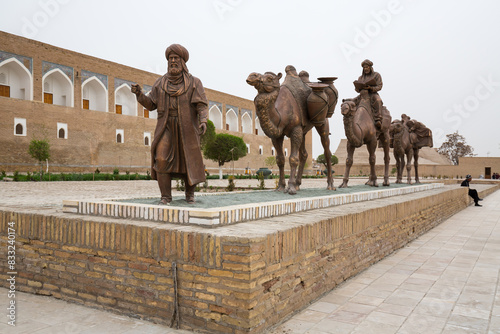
x=371, y=81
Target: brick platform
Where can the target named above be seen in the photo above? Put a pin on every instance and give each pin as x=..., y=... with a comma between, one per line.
x=234, y=279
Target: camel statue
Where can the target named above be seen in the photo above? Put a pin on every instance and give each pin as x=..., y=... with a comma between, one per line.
x=420, y=136
x=400, y=139
x=284, y=110
x=360, y=129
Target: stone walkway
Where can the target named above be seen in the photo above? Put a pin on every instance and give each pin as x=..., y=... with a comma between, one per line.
x=446, y=281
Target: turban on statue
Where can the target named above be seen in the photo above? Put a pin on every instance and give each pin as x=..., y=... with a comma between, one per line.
x=367, y=62
x=178, y=50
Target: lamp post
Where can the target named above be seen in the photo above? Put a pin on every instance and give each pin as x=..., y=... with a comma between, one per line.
x=232, y=157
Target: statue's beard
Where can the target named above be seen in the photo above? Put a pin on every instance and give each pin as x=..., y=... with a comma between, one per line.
x=174, y=69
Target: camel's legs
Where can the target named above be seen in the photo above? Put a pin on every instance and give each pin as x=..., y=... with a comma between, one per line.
x=415, y=163
x=409, y=155
x=302, y=157
x=280, y=161
x=296, y=142
x=401, y=167
x=324, y=133
x=387, y=158
x=372, y=146
x=398, y=168
x=348, y=164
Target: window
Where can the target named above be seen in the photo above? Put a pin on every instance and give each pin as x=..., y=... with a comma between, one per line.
x=147, y=138
x=146, y=113
x=119, y=136
x=261, y=150
x=48, y=98
x=62, y=130
x=118, y=109
x=273, y=151
x=4, y=90
x=248, y=148
x=19, y=127
x=286, y=152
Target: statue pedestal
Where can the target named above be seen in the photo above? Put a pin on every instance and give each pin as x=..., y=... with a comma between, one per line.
x=219, y=209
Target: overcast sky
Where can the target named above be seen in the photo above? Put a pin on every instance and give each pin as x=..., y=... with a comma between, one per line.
x=439, y=60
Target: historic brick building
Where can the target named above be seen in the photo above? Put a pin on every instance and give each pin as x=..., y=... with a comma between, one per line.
x=84, y=106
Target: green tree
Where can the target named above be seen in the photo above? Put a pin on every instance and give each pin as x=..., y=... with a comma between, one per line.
x=225, y=148
x=39, y=149
x=455, y=147
x=209, y=135
x=321, y=160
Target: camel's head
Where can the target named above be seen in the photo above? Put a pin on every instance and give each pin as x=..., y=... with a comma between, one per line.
x=347, y=108
x=396, y=127
x=264, y=83
x=254, y=79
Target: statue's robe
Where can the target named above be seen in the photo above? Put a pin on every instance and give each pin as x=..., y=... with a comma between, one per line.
x=192, y=109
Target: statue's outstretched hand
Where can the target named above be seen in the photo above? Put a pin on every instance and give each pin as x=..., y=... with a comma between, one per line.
x=136, y=89
x=203, y=128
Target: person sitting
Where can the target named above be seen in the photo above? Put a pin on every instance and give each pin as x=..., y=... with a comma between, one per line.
x=472, y=192
x=373, y=83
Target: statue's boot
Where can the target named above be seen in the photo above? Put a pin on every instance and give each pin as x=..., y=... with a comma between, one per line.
x=165, y=184
x=189, y=192
x=377, y=112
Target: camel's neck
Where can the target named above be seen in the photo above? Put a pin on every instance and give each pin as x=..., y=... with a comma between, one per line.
x=398, y=143
x=352, y=129
x=266, y=111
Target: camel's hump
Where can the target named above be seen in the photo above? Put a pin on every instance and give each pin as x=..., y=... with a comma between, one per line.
x=299, y=90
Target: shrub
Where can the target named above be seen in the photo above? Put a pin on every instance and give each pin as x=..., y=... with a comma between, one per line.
x=262, y=184
x=230, y=186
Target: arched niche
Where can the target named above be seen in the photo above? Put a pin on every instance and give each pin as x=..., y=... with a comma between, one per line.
x=126, y=100
x=16, y=81
x=57, y=88
x=215, y=115
x=94, y=95
x=246, y=123
x=258, y=129
x=231, y=121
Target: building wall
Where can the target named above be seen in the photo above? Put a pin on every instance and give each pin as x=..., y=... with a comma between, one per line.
x=475, y=166
x=91, y=135
x=431, y=164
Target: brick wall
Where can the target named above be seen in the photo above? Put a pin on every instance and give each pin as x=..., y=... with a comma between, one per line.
x=236, y=279
x=91, y=139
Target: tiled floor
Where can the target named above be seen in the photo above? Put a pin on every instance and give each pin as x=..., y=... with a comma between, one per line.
x=446, y=281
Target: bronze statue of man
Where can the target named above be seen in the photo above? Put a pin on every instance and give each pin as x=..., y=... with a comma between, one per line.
x=373, y=82
x=182, y=108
